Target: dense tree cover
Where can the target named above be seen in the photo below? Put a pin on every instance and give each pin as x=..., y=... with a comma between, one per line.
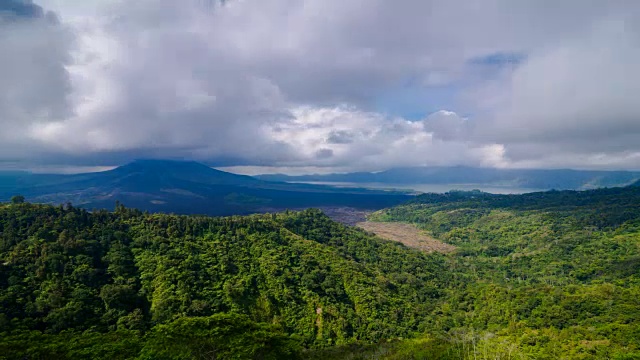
x=152, y=282
x=543, y=275
x=221, y=336
x=552, y=275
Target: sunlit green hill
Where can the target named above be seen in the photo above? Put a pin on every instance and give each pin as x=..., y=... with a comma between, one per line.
x=553, y=275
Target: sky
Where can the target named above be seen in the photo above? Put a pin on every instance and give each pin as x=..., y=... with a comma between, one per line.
x=294, y=86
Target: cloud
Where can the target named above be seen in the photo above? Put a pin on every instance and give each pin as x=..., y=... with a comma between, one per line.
x=324, y=153
x=340, y=137
x=154, y=81
x=377, y=142
x=20, y=9
x=446, y=125
x=577, y=99
x=288, y=84
x=35, y=83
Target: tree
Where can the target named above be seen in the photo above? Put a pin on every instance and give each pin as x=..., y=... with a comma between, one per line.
x=17, y=199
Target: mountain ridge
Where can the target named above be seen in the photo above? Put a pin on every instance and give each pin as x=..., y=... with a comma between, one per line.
x=184, y=187
x=544, y=179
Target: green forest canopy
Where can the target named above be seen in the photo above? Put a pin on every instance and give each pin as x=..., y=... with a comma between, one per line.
x=544, y=275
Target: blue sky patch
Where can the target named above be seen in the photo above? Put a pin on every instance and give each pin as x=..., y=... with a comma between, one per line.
x=499, y=59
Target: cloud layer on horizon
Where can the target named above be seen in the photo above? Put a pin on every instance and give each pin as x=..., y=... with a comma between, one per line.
x=289, y=84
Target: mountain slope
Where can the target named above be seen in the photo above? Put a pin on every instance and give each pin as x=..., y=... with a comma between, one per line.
x=184, y=187
x=65, y=269
x=525, y=178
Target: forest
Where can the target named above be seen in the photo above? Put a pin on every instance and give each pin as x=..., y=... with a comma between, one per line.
x=551, y=275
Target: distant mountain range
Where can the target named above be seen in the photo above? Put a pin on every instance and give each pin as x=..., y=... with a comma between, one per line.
x=523, y=178
x=184, y=187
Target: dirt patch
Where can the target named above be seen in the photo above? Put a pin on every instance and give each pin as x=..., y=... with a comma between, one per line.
x=346, y=215
x=406, y=234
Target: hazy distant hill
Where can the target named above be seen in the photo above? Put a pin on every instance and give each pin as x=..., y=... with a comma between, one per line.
x=525, y=178
x=183, y=187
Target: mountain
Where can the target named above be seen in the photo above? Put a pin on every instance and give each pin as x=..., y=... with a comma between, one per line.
x=562, y=179
x=183, y=187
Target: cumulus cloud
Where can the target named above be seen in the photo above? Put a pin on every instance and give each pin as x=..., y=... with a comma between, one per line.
x=446, y=125
x=377, y=141
x=291, y=84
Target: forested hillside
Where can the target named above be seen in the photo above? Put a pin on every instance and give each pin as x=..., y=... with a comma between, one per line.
x=166, y=286
x=537, y=276
x=552, y=275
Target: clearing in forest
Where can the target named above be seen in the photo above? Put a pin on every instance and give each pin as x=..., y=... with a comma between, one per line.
x=407, y=234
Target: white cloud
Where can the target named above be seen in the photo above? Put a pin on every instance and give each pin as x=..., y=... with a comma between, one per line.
x=283, y=83
x=377, y=142
x=577, y=100
x=446, y=125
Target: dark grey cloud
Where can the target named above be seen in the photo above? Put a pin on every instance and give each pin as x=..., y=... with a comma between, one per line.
x=20, y=9
x=35, y=82
x=24, y=10
x=340, y=137
x=324, y=154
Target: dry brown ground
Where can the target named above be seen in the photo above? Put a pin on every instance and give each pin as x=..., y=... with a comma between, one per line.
x=406, y=234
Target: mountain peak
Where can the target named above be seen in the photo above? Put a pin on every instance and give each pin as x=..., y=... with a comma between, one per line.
x=161, y=163
x=184, y=170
